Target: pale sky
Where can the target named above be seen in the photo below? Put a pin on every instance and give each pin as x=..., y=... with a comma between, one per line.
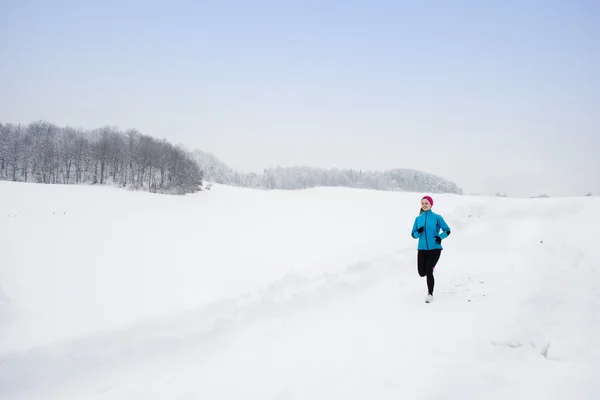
x=498, y=98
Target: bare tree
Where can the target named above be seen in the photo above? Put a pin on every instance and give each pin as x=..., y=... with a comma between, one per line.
x=67, y=151
x=17, y=154
x=4, y=145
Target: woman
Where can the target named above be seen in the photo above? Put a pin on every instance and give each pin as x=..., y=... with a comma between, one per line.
x=427, y=228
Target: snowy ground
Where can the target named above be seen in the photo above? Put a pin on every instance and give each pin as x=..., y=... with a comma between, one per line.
x=245, y=294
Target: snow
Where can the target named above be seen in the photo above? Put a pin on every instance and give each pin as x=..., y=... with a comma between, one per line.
x=237, y=293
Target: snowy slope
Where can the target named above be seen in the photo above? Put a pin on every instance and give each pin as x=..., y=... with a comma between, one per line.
x=239, y=293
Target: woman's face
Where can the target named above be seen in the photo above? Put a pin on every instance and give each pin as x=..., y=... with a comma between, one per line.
x=425, y=205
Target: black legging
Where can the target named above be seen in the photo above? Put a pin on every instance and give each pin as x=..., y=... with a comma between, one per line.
x=426, y=261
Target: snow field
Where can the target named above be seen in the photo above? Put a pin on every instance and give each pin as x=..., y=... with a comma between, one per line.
x=240, y=293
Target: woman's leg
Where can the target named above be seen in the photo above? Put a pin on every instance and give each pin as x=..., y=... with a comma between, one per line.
x=422, y=262
x=430, y=281
x=432, y=260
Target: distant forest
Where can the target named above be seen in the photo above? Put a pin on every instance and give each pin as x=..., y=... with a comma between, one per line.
x=291, y=178
x=45, y=153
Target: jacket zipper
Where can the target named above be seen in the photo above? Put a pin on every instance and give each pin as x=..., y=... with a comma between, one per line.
x=425, y=230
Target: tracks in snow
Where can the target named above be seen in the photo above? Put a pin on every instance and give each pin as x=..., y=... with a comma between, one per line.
x=178, y=332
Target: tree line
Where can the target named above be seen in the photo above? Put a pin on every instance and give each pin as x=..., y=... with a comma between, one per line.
x=408, y=180
x=291, y=178
x=45, y=153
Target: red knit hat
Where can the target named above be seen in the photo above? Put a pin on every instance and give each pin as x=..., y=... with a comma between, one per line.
x=428, y=198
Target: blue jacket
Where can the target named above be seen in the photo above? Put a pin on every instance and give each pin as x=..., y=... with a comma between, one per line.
x=432, y=224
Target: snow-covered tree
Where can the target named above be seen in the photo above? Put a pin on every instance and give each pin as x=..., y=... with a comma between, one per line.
x=214, y=169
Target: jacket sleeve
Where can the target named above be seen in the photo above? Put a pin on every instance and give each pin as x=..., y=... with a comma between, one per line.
x=414, y=232
x=444, y=226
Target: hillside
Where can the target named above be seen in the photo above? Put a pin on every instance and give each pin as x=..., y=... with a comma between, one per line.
x=307, y=177
x=311, y=294
x=42, y=152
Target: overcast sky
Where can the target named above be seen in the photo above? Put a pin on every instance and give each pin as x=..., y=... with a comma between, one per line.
x=498, y=98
